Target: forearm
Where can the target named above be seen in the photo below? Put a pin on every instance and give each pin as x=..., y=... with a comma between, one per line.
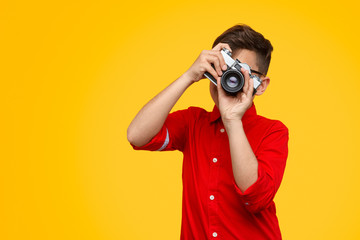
x=244, y=162
x=149, y=120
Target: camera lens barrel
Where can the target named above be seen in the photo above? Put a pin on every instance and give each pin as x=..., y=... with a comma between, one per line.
x=232, y=81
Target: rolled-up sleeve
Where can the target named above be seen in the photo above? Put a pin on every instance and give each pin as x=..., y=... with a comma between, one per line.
x=271, y=155
x=172, y=135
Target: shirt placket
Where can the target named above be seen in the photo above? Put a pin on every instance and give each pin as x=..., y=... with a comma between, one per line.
x=216, y=158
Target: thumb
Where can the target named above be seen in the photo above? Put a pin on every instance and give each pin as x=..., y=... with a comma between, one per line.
x=221, y=91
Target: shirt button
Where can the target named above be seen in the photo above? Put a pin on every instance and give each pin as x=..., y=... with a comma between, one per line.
x=214, y=160
x=212, y=197
x=214, y=234
x=246, y=203
x=222, y=130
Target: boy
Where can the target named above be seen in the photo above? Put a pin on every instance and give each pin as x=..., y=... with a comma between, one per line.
x=234, y=159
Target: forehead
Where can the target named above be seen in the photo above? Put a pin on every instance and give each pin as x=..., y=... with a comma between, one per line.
x=246, y=56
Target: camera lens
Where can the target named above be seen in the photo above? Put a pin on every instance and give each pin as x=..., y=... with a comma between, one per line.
x=232, y=81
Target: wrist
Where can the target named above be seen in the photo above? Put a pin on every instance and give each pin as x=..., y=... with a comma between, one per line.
x=186, y=77
x=231, y=118
x=232, y=125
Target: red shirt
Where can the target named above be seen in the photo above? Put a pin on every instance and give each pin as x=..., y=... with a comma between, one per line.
x=213, y=206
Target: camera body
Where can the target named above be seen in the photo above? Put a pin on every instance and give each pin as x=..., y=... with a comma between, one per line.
x=232, y=79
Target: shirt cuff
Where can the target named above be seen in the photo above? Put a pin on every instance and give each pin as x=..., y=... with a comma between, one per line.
x=255, y=197
x=158, y=143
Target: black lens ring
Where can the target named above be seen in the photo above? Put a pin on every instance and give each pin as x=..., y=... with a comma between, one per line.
x=228, y=73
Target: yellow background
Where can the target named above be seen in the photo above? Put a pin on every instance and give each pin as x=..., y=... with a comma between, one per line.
x=74, y=74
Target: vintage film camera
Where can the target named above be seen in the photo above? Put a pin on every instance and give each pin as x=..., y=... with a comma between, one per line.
x=232, y=79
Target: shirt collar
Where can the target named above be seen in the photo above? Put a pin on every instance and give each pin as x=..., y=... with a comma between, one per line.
x=215, y=114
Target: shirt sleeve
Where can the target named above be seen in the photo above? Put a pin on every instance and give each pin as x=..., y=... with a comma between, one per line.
x=172, y=135
x=271, y=156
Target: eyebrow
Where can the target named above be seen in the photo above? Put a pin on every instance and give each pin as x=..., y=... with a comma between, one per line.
x=254, y=71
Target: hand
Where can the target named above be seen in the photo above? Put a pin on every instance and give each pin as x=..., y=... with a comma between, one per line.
x=203, y=63
x=233, y=108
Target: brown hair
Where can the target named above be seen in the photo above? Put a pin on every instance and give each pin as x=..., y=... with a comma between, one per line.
x=244, y=37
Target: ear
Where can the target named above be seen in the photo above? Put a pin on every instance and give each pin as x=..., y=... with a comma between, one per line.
x=264, y=84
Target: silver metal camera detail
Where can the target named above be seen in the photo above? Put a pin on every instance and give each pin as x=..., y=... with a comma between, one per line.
x=234, y=65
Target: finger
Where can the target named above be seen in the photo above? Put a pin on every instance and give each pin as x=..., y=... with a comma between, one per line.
x=220, y=46
x=214, y=59
x=249, y=84
x=220, y=90
x=251, y=88
x=209, y=56
x=208, y=68
x=246, y=80
x=221, y=59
